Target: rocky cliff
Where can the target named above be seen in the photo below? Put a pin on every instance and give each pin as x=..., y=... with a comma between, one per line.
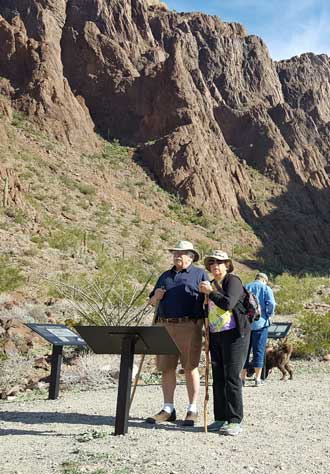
x=213, y=117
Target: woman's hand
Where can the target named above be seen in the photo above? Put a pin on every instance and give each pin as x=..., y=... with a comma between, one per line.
x=205, y=287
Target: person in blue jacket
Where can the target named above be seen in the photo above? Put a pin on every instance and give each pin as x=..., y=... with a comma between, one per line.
x=259, y=329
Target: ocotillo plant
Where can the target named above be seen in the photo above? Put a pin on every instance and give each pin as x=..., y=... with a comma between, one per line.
x=104, y=302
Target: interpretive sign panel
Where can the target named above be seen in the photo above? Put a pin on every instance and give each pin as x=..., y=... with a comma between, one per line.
x=278, y=330
x=57, y=334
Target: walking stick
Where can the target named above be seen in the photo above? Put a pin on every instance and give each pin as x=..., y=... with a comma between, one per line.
x=142, y=361
x=207, y=362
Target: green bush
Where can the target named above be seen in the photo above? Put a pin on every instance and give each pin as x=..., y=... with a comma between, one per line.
x=204, y=248
x=66, y=238
x=189, y=215
x=315, y=334
x=19, y=120
x=84, y=188
x=11, y=277
x=295, y=291
x=113, y=153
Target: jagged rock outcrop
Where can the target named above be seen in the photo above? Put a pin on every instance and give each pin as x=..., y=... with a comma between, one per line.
x=30, y=59
x=201, y=99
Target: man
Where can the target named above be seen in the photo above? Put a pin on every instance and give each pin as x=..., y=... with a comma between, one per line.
x=259, y=329
x=180, y=311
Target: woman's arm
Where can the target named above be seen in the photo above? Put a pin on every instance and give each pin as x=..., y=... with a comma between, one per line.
x=228, y=296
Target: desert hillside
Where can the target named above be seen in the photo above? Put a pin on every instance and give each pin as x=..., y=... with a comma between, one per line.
x=125, y=127
x=206, y=112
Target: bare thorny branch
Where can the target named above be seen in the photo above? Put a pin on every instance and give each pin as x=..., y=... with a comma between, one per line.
x=107, y=303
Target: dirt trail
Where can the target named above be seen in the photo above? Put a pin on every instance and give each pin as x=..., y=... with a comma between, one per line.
x=286, y=430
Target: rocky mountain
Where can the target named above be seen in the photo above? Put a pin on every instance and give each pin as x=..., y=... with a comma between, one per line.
x=212, y=117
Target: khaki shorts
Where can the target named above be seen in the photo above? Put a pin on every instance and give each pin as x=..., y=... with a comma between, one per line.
x=187, y=336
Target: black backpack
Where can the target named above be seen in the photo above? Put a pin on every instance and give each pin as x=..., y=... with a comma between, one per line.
x=248, y=305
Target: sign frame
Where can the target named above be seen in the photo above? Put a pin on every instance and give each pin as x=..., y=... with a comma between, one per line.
x=64, y=337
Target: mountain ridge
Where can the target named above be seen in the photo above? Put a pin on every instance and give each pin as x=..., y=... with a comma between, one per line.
x=209, y=113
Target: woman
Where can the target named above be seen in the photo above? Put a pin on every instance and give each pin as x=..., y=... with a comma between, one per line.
x=229, y=341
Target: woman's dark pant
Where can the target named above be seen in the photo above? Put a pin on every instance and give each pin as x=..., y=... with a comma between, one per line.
x=228, y=354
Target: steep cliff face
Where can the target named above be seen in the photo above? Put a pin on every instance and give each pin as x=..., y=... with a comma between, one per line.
x=201, y=99
x=30, y=59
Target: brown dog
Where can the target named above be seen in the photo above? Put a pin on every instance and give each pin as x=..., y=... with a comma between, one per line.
x=279, y=357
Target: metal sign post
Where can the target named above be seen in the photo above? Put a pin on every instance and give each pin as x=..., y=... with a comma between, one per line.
x=58, y=335
x=127, y=341
x=275, y=331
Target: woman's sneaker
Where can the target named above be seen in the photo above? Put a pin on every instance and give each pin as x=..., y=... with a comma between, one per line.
x=231, y=429
x=216, y=425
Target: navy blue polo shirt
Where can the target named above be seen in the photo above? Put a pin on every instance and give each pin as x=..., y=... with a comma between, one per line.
x=182, y=298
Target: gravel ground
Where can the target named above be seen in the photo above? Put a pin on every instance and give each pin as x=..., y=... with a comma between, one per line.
x=286, y=430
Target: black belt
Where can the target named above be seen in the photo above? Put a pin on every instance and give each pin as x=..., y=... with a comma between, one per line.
x=179, y=320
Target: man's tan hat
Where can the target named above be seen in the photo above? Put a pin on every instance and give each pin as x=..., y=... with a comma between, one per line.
x=184, y=246
x=216, y=255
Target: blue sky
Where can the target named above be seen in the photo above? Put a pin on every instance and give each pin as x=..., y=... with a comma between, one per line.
x=288, y=27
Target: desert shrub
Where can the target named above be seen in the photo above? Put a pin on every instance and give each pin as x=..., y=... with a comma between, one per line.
x=19, y=120
x=18, y=215
x=247, y=277
x=66, y=238
x=95, y=370
x=166, y=235
x=116, y=295
x=84, y=188
x=189, y=215
x=10, y=276
x=294, y=291
x=103, y=213
x=145, y=242
x=113, y=153
x=315, y=334
x=242, y=251
x=14, y=370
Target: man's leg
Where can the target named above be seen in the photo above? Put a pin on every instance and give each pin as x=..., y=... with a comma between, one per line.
x=167, y=412
x=257, y=371
x=259, y=347
x=166, y=364
x=193, y=384
x=168, y=385
x=190, y=357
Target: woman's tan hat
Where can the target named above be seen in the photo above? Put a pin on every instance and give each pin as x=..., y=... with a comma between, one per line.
x=216, y=255
x=186, y=246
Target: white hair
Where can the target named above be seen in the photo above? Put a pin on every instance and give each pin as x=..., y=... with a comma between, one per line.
x=262, y=277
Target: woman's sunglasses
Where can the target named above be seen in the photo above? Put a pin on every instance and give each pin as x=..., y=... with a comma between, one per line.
x=214, y=260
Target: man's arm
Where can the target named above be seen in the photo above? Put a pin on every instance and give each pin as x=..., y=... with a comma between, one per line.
x=270, y=303
x=158, y=292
